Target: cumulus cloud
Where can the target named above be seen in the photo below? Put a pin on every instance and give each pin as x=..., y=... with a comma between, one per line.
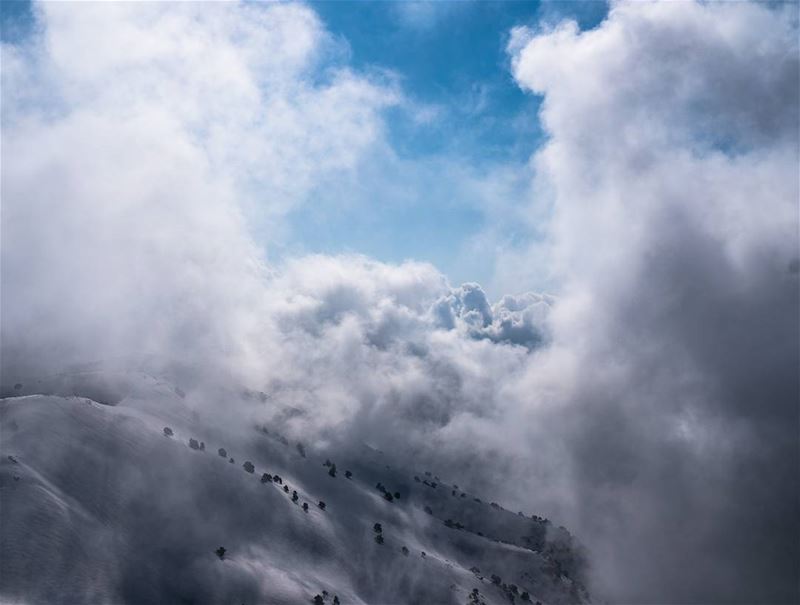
x=672, y=162
x=136, y=181
x=520, y=320
x=145, y=144
x=365, y=353
x=651, y=405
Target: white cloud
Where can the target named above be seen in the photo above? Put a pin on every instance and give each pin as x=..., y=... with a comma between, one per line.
x=142, y=141
x=672, y=166
x=143, y=144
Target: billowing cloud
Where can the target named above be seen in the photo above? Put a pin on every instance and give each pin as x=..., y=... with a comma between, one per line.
x=136, y=184
x=651, y=405
x=144, y=147
x=514, y=319
x=672, y=163
x=392, y=354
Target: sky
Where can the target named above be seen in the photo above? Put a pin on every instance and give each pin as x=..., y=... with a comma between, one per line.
x=462, y=114
x=466, y=110
x=552, y=248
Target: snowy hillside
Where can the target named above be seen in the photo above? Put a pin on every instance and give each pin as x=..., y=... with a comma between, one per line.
x=141, y=499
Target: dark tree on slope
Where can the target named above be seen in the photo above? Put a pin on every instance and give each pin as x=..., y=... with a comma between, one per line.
x=348, y=474
x=318, y=600
x=295, y=497
x=321, y=505
x=266, y=478
x=332, y=470
x=194, y=444
x=377, y=528
x=248, y=466
x=168, y=431
x=379, y=538
x=220, y=552
x=221, y=451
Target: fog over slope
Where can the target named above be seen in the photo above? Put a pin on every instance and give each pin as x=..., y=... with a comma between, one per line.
x=650, y=404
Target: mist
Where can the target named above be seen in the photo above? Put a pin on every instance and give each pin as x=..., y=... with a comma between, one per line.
x=649, y=401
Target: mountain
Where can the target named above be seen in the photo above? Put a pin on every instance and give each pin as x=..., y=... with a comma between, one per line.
x=114, y=489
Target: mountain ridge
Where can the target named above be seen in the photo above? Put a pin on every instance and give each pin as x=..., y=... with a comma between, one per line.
x=100, y=504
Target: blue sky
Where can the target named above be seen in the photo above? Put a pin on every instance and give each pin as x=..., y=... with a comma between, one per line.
x=457, y=148
x=449, y=57
x=16, y=19
x=453, y=54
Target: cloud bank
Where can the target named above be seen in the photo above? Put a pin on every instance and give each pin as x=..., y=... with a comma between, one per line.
x=673, y=165
x=651, y=405
x=145, y=145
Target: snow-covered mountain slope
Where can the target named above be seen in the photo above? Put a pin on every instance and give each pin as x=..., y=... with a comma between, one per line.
x=100, y=503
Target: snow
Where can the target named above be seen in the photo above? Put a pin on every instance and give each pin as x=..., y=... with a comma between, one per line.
x=99, y=505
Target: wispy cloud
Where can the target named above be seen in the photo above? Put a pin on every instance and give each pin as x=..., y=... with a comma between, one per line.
x=423, y=15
